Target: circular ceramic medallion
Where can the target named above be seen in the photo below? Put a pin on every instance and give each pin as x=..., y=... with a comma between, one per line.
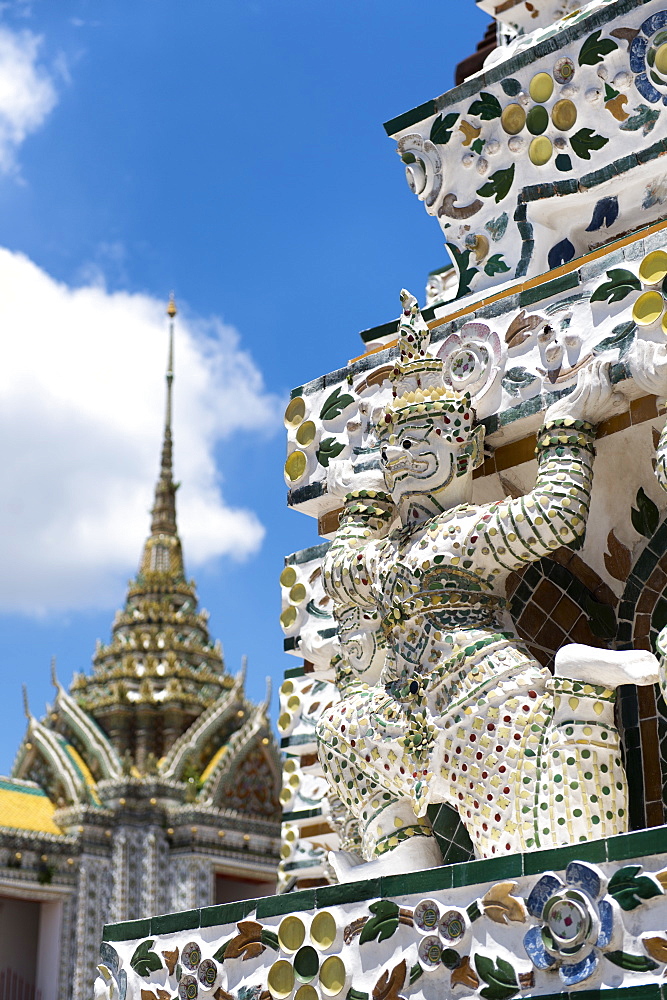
x=288, y=617
x=293, y=781
x=207, y=973
x=563, y=115
x=653, y=268
x=284, y=720
x=452, y=926
x=291, y=932
x=648, y=308
x=660, y=61
x=332, y=976
x=295, y=466
x=306, y=993
x=280, y=979
x=306, y=964
x=540, y=150
x=656, y=60
x=288, y=576
x=323, y=930
x=289, y=767
x=187, y=988
x=541, y=87
x=295, y=412
x=286, y=795
x=293, y=702
x=537, y=120
x=564, y=70
x=191, y=955
x=513, y=118
x=305, y=435
x=297, y=594
x=430, y=953
x=426, y=916
x=567, y=921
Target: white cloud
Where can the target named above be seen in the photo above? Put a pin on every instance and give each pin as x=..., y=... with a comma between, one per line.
x=81, y=411
x=27, y=93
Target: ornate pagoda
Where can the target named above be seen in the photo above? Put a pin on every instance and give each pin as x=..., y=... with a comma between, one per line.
x=151, y=786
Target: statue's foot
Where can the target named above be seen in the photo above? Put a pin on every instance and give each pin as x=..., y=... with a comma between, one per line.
x=413, y=855
x=607, y=667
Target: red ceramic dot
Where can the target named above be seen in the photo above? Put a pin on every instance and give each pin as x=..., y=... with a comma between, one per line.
x=490, y=797
x=532, y=694
x=490, y=727
x=526, y=708
x=499, y=749
x=517, y=736
x=506, y=790
x=497, y=817
x=479, y=755
x=473, y=738
x=507, y=718
x=502, y=768
x=485, y=826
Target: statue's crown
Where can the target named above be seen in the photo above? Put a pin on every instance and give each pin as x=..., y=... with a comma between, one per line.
x=418, y=385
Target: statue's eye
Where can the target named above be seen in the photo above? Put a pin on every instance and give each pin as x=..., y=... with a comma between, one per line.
x=407, y=443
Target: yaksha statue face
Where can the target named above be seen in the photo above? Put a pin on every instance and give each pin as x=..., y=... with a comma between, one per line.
x=427, y=440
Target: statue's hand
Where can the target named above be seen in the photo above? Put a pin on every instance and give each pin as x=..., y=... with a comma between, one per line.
x=648, y=364
x=593, y=398
x=342, y=478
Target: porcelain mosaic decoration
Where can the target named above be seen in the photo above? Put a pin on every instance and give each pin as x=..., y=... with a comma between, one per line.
x=538, y=934
x=473, y=729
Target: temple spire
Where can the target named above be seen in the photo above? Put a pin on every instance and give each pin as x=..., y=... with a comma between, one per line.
x=164, y=509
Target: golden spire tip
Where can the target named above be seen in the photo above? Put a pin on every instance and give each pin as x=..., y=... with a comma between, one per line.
x=171, y=308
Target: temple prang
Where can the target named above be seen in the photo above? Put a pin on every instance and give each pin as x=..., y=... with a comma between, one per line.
x=151, y=785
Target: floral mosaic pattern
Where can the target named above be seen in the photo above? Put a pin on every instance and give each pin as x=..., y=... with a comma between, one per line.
x=573, y=924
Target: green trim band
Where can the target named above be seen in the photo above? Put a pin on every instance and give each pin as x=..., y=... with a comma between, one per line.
x=624, y=847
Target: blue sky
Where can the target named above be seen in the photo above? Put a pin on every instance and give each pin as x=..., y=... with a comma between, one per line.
x=232, y=150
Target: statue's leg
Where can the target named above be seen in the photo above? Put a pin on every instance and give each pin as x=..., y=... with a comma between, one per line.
x=581, y=793
x=358, y=746
x=488, y=766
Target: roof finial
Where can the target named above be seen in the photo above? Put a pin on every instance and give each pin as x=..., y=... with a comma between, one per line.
x=54, y=678
x=164, y=509
x=26, y=706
